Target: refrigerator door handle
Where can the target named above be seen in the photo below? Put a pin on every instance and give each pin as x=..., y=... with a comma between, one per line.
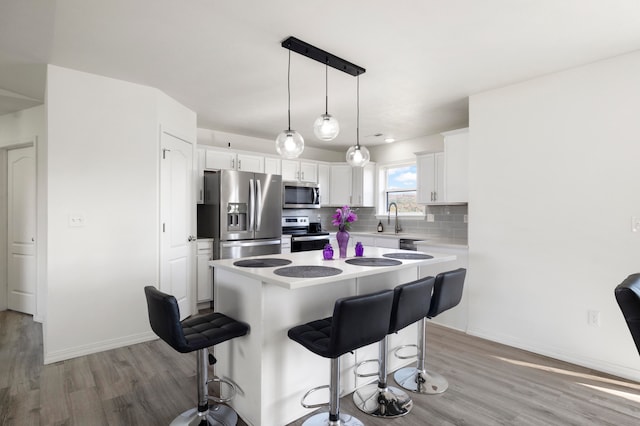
x=252, y=204
x=258, y=204
x=250, y=243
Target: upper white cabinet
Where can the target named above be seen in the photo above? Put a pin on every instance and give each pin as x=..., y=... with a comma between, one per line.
x=230, y=160
x=324, y=182
x=272, y=166
x=443, y=177
x=430, y=168
x=354, y=186
x=297, y=170
x=456, y=165
x=200, y=173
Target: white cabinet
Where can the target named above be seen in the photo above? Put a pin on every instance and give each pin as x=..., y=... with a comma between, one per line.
x=204, y=273
x=354, y=186
x=430, y=168
x=456, y=165
x=272, y=166
x=230, y=160
x=388, y=242
x=285, y=244
x=200, y=176
x=324, y=183
x=303, y=171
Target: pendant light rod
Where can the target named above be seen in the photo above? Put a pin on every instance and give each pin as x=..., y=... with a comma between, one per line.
x=289, y=92
x=326, y=88
x=312, y=52
x=358, y=111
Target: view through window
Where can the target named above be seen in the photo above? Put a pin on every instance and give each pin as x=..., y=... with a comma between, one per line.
x=400, y=188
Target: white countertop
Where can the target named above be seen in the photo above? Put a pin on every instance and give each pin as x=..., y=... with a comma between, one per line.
x=314, y=258
x=424, y=239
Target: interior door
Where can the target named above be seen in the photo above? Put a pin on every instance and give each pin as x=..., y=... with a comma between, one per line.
x=21, y=215
x=177, y=272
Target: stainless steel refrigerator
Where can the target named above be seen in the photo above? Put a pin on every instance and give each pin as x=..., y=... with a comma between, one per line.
x=243, y=213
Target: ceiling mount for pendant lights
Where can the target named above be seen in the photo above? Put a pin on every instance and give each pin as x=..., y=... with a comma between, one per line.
x=289, y=143
x=326, y=127
x=358, y=156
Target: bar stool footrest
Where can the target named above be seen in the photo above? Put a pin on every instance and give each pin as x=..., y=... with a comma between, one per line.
x=309, y=392
x=366, y=361
x=399, y=348
x=231, y=385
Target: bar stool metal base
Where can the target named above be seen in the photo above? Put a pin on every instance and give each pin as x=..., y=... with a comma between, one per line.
x=218, y=415
x=420, y=381
x=388, y=402
x=322, y=419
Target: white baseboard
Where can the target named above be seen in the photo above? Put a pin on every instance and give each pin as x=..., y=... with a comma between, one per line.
x=556, y=353
x=105, y=345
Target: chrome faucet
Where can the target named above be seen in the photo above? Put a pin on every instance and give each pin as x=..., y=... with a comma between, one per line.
x=397, y=227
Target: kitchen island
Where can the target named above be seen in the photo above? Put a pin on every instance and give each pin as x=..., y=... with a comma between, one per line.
x=271, y=371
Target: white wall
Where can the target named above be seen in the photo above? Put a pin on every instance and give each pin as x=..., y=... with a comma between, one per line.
x=554, y=181
x=103, y=153
x=26, y=126
x=405, y=150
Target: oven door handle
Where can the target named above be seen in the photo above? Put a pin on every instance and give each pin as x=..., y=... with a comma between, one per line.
x=310, y=238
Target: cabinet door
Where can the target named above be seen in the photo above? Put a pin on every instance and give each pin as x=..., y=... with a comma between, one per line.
x=364, y=185
x=388, y=242
x=426, y=168
x=250, y=163
x=290, y=170
x=324, y=182
x=205, y=278
x=200, y=177
x=439, y=192
x=456, y=167
x=341, y=185
x=220, y=160
x=272, y=166
x=308, y=172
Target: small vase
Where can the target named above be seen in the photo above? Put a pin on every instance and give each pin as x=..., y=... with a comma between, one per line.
x=327, y=253
x=343, y=241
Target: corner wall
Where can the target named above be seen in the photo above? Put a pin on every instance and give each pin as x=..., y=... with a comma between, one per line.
x=554, y=181
x=104, y=167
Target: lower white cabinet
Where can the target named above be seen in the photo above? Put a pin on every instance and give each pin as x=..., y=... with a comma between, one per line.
x=205, y=273
x=285, y=244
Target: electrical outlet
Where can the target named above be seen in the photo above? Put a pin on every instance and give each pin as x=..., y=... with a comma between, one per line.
x=431, y=218
x=635, y=223
x=593, y=318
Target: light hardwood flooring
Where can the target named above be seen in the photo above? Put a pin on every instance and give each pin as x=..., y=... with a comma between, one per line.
x=150, y=383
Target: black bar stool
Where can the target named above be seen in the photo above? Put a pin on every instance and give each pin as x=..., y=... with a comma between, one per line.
x=447, y=293
x=410, y=304
x=357, y=321
x=628, y=297
x=196, y=333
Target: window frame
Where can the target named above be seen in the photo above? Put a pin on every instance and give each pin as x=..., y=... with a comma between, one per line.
x=383, y=191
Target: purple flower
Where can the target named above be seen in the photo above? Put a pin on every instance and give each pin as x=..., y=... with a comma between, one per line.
x=343, y=217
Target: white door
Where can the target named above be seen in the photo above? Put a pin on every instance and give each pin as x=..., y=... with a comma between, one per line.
x=176, y=258
x=21, y=215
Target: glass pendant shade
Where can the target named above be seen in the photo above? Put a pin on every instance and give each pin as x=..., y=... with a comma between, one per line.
x=358, y=156
x=326, y=127
x=289, y=144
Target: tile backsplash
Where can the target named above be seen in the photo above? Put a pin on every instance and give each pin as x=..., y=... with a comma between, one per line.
x=448, y=221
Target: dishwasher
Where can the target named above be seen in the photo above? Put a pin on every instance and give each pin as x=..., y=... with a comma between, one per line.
x=408, y=244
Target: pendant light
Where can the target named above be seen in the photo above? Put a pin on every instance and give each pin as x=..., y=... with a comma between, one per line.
x=358, y=156
x=289, y=143
x=326, y=127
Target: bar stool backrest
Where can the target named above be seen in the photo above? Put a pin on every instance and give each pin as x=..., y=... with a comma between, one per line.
x=164, y=317
x=411, y=302
x=359, y=321
x=447, y=291
x=628, y=297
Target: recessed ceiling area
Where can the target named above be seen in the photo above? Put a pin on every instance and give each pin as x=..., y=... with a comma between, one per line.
x=224, y=60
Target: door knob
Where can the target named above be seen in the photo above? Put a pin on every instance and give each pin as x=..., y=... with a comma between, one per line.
x=191, y=238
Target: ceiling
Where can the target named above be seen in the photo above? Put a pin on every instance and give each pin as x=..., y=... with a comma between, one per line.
x=223, y=59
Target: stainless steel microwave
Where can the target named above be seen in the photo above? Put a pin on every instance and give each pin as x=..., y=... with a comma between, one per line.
x=300, y=195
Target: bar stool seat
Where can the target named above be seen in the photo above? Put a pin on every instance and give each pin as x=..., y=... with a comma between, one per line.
x=447, y=293
x=357, y=321
x=196, y=333
x=410, y=304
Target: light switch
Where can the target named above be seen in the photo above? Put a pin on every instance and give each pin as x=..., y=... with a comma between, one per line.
x=431, y=218
x=76, y=220
x=635, y=223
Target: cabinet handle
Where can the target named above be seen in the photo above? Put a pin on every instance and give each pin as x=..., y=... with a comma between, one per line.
x=302, y=175
x=435, y=196
x=233, y=163
x=239, y=164
x=201, y=195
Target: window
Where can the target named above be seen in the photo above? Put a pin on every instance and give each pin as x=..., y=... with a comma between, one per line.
x=398, y=185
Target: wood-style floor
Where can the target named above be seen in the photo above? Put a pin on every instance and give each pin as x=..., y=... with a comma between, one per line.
x=150, y=383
